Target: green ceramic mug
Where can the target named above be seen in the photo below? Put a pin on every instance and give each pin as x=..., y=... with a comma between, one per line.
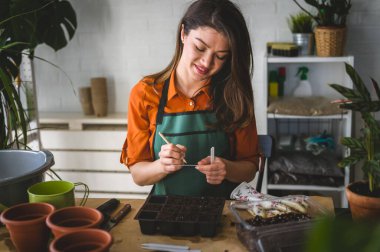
x=58, y=193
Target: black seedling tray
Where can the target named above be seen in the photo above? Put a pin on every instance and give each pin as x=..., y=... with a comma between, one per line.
x=180, y=215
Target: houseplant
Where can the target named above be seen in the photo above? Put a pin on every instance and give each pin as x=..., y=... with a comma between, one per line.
x=24, y=24
x=330, y=32
x=301, y=26
x=363, y=196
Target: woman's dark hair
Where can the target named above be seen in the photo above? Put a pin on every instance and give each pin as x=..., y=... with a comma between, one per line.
x=231, y=86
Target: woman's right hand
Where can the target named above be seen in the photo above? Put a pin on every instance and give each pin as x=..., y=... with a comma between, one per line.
x=171, y=157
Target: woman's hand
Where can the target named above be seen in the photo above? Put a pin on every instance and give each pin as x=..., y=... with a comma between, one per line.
x=215, y=172
x=171, y=157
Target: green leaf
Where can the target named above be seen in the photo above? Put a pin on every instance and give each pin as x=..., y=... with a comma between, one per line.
x=352, y=143
x=376, y=87
x=10, y=56
x=58, y=20
x=350, y=160
x=362, y=106
x=358, y=83
x=341, y=234
x=313, y=3
x=345, y=91
x=12, y=101
x=371, y=123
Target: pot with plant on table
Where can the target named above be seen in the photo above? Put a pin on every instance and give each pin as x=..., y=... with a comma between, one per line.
x=363, y=196
x=330, y=32
x=301, y=26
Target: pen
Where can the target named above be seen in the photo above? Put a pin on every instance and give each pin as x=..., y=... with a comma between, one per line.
x=167, y=141
x=212, y=155
x=165, y=246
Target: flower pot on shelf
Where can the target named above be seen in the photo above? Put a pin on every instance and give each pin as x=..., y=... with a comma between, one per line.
x=364, y=205
x=330, y=32
x=305, y=43
x=330, y=41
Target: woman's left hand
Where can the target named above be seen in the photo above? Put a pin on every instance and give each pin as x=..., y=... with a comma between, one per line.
x=215, y=172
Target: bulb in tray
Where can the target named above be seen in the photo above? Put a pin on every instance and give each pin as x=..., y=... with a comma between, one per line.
x=266, y=209
x=279, y=210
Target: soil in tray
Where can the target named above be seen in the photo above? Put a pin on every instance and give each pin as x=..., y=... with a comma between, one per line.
x=171, y=209
x=153, y=207
x=156, y=199
x=188, y=217
x=180, y=215
x=281, y=218
x=175, y=200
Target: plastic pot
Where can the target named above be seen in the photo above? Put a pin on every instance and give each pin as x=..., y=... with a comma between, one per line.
x=19, y=170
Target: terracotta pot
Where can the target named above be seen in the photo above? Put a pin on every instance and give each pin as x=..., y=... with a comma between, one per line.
x=70, y=219
x=362, y=207
x=83, y=240
x=27, y=227
x=86, y=100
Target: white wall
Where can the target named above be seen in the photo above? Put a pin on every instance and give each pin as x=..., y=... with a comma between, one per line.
x=126, y=39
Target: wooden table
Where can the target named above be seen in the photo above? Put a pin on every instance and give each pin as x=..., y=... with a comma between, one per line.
x=128, y=237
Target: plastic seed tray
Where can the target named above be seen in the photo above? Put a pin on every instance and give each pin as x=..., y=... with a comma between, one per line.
x=180, y=215
x=282, y=232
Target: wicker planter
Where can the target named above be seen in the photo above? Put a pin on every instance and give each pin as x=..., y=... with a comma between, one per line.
x=330, y=41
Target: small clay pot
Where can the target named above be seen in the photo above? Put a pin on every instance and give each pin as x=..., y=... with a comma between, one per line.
x=74, y=218
x=99, y=96
x=27, y=227
x=86, y=100
x=89, y=239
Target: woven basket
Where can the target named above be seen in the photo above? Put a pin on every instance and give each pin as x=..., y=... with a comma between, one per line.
x=330, y=41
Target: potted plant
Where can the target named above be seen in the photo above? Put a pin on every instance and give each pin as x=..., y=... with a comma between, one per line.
x=25, y=24
x=363, y=196
x=301, y=26
x=330, y=32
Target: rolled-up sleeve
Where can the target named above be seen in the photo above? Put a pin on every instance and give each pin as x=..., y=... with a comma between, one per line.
x=136, y=147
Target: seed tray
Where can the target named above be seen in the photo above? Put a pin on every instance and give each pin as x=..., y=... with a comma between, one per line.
x=180, y=215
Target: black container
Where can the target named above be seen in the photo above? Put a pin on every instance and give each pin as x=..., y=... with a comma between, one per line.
x=180, y=215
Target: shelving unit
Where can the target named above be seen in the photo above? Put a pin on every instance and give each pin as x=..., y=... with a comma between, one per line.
x=87, y=149
x=322, y=71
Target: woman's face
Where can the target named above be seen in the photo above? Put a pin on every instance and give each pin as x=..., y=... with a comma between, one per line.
x=204, y=52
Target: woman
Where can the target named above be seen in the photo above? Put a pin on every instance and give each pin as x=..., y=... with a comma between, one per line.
x=202, y=99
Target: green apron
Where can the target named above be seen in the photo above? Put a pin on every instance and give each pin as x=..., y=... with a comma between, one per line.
x=192, y=130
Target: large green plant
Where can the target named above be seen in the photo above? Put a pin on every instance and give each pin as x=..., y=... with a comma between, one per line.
x=24, y=24
x=364, y=148
x=329, y=12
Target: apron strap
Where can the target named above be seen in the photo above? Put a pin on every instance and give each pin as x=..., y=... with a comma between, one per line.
x=163, y=99
x=159, y=118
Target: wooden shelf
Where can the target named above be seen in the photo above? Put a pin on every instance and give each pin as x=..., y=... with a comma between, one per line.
x=76, y=120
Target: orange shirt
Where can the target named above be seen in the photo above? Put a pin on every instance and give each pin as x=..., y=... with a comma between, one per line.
x=142, y=111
